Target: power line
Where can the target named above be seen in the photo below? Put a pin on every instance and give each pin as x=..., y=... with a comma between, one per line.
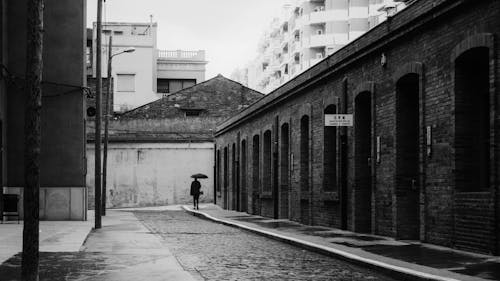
x=13, y=80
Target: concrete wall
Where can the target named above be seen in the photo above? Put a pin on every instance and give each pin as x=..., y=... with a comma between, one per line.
x=435, y=210
x=153, y=174
x=63, y=138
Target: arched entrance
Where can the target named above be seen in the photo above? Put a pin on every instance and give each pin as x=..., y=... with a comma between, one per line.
x=407, y=181
x=362, y=162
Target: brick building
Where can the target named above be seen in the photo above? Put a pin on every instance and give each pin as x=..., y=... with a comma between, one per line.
x=421, y=159
x=155, y=148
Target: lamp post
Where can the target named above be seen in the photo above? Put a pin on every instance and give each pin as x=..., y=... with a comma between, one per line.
x=106, y=119
x=97, y=169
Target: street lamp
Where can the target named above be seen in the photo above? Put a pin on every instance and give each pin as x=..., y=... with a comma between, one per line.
x=106, y=119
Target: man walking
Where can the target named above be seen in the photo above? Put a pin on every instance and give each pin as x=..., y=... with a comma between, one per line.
x=195, y=192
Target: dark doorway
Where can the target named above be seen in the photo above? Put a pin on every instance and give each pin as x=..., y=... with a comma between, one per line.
x=243, y=172
x=472, y=117
x=284, y=170
x=234, y=177
x=362, y=162
x=472, y=152
x=266, y=163
x=276, y=193
x=407, y=189
x=330, y=153
x=226, y=180
x=218, y=177
x=255, y=175
x=304, y=170
x=344, y=198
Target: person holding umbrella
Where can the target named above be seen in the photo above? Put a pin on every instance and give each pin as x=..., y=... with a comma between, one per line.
x=195, y=189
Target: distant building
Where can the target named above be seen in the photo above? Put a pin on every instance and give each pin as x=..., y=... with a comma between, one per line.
x=155, y=148
x=148, y=73
x=177, y=70
x=63, y=194
x=309, y=31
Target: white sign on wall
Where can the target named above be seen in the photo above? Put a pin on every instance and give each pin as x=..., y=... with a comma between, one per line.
x=338, y=120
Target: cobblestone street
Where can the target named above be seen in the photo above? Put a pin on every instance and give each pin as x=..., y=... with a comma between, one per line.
x=211, y=251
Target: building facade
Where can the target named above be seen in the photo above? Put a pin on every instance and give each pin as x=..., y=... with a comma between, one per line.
x=420, y=159
x=147, y=73
x=307, y=32
x=63, y=194
x=154, y=149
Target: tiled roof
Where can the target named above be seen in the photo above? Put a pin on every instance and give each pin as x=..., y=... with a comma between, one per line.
x=217, y=97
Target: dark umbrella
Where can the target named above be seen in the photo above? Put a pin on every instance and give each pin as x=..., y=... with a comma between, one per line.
x=199, y=176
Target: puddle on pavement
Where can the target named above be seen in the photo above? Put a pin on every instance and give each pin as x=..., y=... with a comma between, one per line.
x=82, y=266
x=251, y=219
x=468, y=265
x=425, y=256
x=328, y=233
x=312, y=229
x=278, y=224
x=486, y=270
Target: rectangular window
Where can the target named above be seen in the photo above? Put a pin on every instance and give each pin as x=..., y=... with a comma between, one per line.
x=89, y=55
x=125, y=82
x=166, y=86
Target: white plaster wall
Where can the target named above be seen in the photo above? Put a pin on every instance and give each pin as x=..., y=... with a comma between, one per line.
x=138, y=63
x=153, y=174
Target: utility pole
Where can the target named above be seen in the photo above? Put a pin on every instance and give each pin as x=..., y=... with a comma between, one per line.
x=32, y=140
x=97, y=169
x=106, y=127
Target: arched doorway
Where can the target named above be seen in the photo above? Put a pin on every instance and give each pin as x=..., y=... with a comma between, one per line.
x=243, y=177
x=284, y=170
x=304, y=170
x=255, y=175
x=362, y=162
x=407, y=181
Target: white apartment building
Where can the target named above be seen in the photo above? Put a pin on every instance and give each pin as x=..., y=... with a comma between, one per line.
x=146, y=74
x=307, y=32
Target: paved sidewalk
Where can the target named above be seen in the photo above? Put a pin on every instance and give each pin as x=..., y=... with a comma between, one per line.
x=123, y=249
x=55, y=236
x=406, y=260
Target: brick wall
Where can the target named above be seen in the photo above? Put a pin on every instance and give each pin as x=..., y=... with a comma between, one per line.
x=425, y=39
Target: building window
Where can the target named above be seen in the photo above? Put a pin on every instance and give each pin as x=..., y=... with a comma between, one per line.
x=106, y=32
x=165, y=86
x=89, y=56
x=125, y=82
x=118, y=32
x=192, y=113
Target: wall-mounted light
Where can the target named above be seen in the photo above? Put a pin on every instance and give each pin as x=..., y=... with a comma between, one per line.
x=428, y=141
x=383, y=60
x=377, y=154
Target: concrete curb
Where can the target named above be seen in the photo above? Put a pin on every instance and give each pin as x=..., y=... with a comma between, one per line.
x=388, y=269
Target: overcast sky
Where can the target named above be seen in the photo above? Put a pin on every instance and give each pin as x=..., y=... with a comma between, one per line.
x=228, y=30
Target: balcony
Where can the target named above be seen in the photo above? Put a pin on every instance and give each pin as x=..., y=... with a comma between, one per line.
x=181, y=55
x=321, y=40
x=319, y=17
